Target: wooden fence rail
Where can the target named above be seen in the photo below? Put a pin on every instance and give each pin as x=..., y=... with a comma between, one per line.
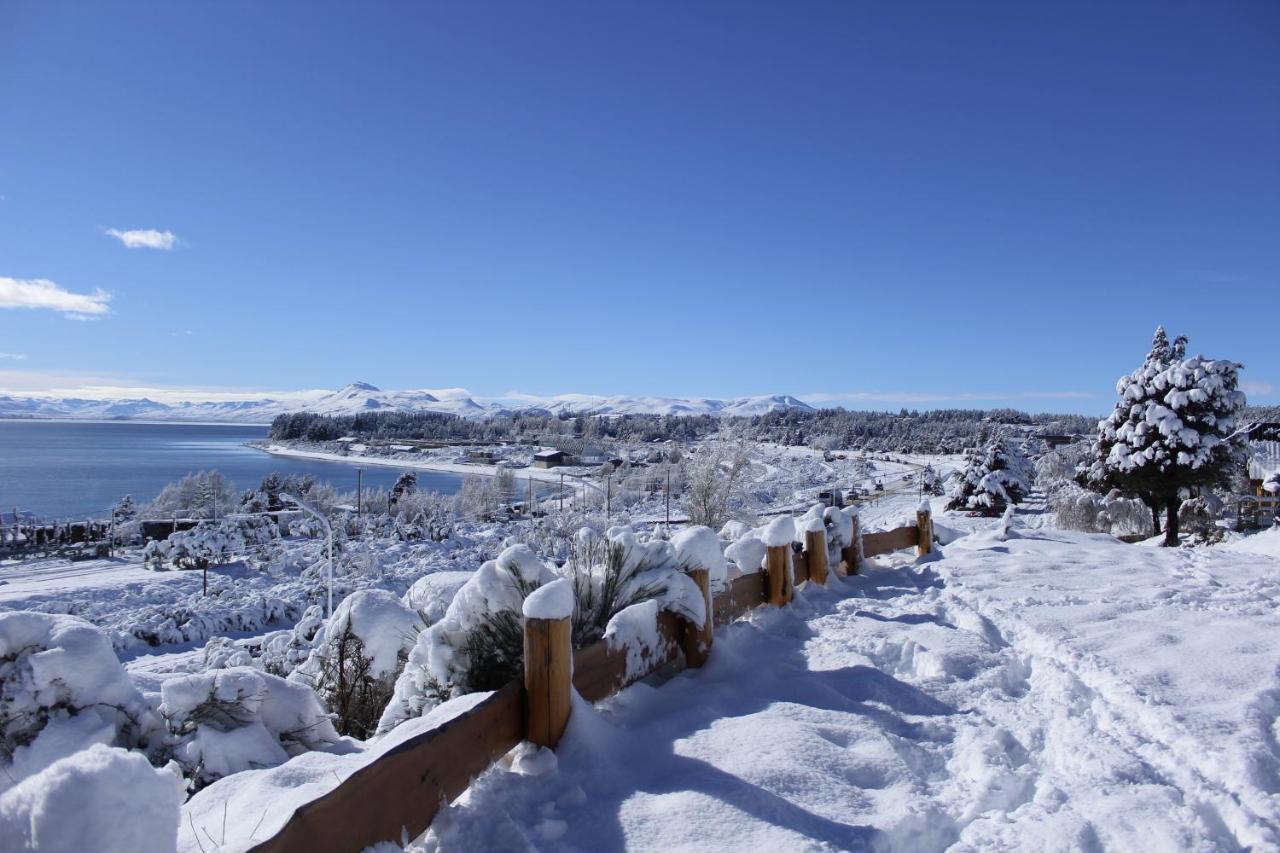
x=399, y=794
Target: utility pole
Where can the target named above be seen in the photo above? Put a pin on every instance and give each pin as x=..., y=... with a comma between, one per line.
x=359, y=491
x=562, y=493
x=608, y=496
x=668, y=497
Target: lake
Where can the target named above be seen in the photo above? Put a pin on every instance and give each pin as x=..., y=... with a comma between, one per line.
x=75, y=469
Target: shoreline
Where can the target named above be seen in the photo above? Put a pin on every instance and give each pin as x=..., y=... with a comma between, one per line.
x=542, y=475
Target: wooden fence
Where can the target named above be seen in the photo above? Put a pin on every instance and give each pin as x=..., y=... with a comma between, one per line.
x=399, y=794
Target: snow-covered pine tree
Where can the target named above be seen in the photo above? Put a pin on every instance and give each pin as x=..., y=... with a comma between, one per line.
x=1103, y=478
x=995, y=476
x=1172, y=433
x=125, y=509
x=406, y=483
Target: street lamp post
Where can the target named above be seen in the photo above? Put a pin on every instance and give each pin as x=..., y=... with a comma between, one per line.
x=328, y=529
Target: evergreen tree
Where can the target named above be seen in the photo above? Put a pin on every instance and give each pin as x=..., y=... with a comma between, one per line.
x=994, y=477
x=1172, y=434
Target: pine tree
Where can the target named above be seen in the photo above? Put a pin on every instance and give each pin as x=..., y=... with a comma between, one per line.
x=1172, y=434
x=994, y=477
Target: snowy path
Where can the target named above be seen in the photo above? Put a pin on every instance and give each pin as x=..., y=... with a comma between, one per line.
x=1050, y=692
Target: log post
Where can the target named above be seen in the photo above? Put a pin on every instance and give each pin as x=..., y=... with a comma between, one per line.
x=697, y=638
x=780, y=582
x=815, y=553
x=548, y=661
x=849, y=554
x=924, y=524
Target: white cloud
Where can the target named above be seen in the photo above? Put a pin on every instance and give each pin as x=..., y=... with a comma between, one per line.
x=93, y=386
x=1257, y=387
x=15, y=356
x=145, y=238
x=36, y=293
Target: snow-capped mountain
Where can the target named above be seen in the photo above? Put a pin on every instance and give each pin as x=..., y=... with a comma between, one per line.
x=364, y=397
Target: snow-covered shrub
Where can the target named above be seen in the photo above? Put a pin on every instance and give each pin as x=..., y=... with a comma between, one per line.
x=214, y=542
x=1198, y=515
x=479, y=644
x=424, y=515
x=224, y=652
x=1076, y=508
x=99, y=798
x=356, y=657
x=284, y=651
x=994, y=477
x=431, y=595
x=61, y=689
x=613, y=572
x=229, y=720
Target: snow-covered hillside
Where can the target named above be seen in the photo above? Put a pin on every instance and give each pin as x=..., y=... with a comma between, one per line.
x=363, y=397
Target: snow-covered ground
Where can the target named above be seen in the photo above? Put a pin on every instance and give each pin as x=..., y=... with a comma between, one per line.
x=1044, y=690
x=1055, y=691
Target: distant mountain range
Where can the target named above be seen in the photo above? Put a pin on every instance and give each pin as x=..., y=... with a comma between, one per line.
x=363, y=397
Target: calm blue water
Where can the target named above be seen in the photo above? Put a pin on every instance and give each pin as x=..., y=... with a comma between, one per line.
x=70, y=469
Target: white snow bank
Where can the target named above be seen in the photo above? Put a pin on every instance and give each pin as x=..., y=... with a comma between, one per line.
x=551, y=601
x=100, y=798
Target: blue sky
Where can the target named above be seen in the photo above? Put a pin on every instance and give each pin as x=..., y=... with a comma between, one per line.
x=922, y=204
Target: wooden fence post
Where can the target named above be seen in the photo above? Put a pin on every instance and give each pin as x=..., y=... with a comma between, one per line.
x=924, y=523
x=548, y=659
x=781, y=583
x=697, y=638
x=849, y=554
x=815, y=554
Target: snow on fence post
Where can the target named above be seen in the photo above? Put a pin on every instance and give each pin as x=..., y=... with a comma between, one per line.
x=548, y=662
x=849, y=554
x=924, y=524
x=697, y=638
x=815, y=554
x=778, y=536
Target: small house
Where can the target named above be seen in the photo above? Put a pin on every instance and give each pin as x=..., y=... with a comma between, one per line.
x=550, y=459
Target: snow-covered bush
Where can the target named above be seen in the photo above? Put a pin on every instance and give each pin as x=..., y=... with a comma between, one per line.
x=228, y=720
x=431, y=595
x=1198, y=517
x=284, y=651
x=479, y=643
x=424, y=515
x=356, y=657
x=214, y=542
x=994, y=476
x=1075, y=508
x=99, y=798
x=61, y=689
